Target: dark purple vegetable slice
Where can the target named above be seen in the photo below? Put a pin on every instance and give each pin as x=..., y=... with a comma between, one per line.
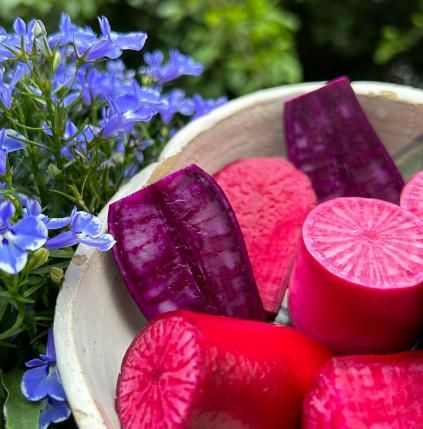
x=179, y=246
x=329, y=137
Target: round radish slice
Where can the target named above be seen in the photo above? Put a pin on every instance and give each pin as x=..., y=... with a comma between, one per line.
x=197, y=371
x=271, y=200
x=412, y=195
x=357, y=285
x=370, y=391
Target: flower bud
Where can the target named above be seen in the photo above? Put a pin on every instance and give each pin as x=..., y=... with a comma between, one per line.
x=57, y=60
x=56, y=275
x=37, y=259
x=39, y=29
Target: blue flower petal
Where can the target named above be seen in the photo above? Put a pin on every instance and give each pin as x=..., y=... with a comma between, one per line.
x=103, y=242
x=53, y=412
x=12, y=258
x=34, y=384
x=50, y=351
x=30, y=233
x=33, y=363
x=57, y=222
x=134, y=41
x=19, y=26
x=64, y=239
x=7, y=210
x=54, y=385
x=10, y=143
x=3, y=156
x=86, y=224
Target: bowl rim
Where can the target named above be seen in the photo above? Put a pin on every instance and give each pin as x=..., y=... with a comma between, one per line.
x=86, y=411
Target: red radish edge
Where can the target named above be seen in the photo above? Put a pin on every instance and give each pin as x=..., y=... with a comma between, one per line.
x=412, y=195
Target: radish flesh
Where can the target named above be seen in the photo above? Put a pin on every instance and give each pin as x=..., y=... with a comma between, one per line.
x=271, y=200
x=179, y=246
x=363, y=392
x=412, y=195
x=197, y=371
x=329, y=137
x=357, y=285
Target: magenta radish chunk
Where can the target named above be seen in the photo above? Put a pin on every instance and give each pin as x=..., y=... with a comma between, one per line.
x=197, y=371
x=179, y=246
x=271, y=200
x=364, y=392
x=329, y=137
x=357, y=285
x=412, y=195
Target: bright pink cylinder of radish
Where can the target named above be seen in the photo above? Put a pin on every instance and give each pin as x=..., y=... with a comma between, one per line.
x=357, y=285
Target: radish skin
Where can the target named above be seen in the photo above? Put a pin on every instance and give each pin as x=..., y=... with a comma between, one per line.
x=271, y=200
x=357, y=285
x=196, y=371
x=363, y=392
x=412, y=195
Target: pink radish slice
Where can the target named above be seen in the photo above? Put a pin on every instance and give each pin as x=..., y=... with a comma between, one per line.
x=364, y=392
x=271, y=200
x=357, y=285
x=198, y=371
x=179, y=246
x=412, y=195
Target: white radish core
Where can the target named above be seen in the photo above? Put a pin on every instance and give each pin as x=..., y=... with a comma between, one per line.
x=412, y=195
x=366, y=241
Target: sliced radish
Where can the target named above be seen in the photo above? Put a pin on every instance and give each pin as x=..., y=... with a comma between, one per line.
x=179, y=246
x=412, y=195
x=357, y=285
x=329, y=137
x=366, y=392
x=196, y=371
x=271, y=199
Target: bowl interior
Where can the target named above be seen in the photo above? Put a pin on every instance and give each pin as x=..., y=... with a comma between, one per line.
x=96, y=318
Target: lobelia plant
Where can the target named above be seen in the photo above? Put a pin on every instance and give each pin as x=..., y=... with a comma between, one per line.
x=75, y=124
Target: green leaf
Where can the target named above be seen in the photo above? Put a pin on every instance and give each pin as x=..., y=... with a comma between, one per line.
x=21, y=414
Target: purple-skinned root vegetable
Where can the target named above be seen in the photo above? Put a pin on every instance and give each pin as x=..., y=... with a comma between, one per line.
x=364, y=392
x=179, y=246
x=329, y=137
x=412, y=195
x=357, y=285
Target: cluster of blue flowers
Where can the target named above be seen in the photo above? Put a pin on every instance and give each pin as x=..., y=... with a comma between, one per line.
x=86, y=102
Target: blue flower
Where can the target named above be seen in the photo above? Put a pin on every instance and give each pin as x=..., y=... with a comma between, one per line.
x=84, y=228
x=7, y=88
x=32, y=207
x=8, y=144
x=42, y=379
x=121, y=41
x=203, y=106
x=42, y=382
x=17, y=239
x=178, y=65
x=175, y=102
x=124, y=112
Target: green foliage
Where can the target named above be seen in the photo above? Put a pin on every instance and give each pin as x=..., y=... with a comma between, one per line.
x=21, y=414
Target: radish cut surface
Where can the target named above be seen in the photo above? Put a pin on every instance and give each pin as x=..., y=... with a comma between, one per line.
x=271, y=200
x=357, y=285
x=179, y=246
x=412, y=195
x=363, y=392
x=197, y=371
x=329, y=137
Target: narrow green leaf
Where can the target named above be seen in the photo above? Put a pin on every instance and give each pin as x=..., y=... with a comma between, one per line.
x=20, y=413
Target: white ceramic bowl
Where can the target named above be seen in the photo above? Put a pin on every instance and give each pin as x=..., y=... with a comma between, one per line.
x=96, y=318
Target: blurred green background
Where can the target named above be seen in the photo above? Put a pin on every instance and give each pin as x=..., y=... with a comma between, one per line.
x=254, y=44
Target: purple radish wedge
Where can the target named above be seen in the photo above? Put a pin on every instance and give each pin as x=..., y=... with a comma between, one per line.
x=179, y=246
x=364, y=392
x=412, y=195
x=329, y=137
x=357, y=285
